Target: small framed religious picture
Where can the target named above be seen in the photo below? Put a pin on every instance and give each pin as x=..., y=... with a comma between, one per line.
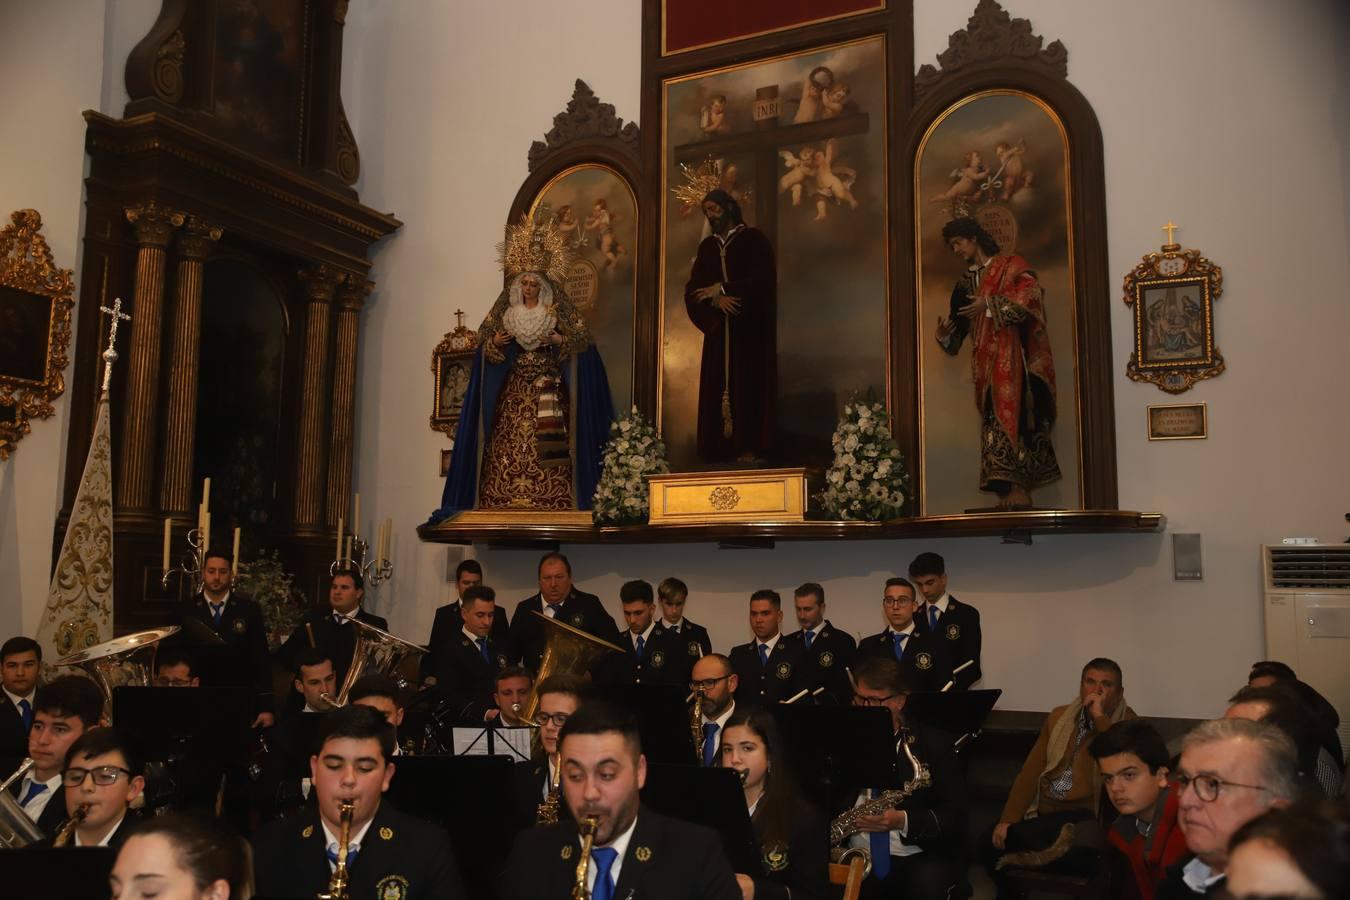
x=452, y=364
x=445, y=462
x=1178, y=422
x=1172, y=293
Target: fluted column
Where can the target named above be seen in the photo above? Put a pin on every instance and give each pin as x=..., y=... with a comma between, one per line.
x=154, y=228
x=180, y=417
x=320, y=284
x=351, y=297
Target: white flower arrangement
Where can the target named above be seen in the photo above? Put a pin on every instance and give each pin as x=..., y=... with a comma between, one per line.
x=633, y=451
x=868, y=481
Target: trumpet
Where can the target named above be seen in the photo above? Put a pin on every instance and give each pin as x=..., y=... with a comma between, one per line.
x=338, y=885
x=547, y=813
x=586, y=828
x=67, y=830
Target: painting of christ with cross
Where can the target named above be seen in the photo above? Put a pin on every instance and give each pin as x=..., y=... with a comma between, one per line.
x=776, y=169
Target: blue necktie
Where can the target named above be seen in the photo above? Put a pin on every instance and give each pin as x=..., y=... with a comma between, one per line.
x=34, y=789
x=810, y=636
x=216, y=610
x=352, y=850
x=604, y=886
x=880, y=842
x=932, y=617
x=709, y=743
x=26, y=710
x=899, y=645
x=557, y=610
x=482, y=648
x=641, y=645
x=763, y=654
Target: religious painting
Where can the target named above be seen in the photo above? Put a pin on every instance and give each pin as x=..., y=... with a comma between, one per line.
x=452, y=381
x=774, y=254
x=596, y=211
x=1177, y=326
x=997, y=343
x=1172, y=293
x=257, y=76
x=25, y=326
x=693, y=24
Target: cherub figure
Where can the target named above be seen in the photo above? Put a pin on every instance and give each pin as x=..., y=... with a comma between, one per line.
x=968, y=179
x=569, y=227
x=712, y=119
x=836, y=101
x=833, y=182
x=799, y=170
x=600, y=223
x=817, y=81
x=1012, y=168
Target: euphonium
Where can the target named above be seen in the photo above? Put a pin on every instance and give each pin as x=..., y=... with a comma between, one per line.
x=67, y=830
x=547, y=813
x=337, y=885
x=586, y=828
x=376, y=650
x=566, y=649
x=125, y=661
x=16, y=828
x=846, y=824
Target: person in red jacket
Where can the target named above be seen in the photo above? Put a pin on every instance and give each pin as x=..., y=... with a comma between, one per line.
x=1133, y=762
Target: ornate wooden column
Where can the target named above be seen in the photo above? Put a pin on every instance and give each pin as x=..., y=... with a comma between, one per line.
x=154, y=227
x=180, y=421
x=351, y=297
x=320, y=284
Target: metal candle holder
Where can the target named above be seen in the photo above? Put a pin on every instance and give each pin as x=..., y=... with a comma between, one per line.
x=374, y=572
x=191, y=565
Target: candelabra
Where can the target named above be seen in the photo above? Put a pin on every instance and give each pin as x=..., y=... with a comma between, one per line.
x=375, y=571
x=191, y=565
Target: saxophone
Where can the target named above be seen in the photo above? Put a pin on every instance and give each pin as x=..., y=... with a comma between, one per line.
x=845, y=825
x=696, y=725
x=547, y=813
x=338, y=885
x=586, y=828
x=67, y=830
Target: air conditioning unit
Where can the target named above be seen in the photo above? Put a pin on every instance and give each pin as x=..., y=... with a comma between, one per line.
x=1307, y=614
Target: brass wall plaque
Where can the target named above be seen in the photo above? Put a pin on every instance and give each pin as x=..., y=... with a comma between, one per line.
x=1178, y=422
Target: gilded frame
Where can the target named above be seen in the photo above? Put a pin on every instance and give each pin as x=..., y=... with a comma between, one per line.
x=1198, y=421
x=1172, y=293
x=29, y=276
x=455, y=350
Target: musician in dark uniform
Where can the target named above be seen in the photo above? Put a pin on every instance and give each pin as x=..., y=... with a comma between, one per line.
x=651, y=654
x=20, y=666
x=920, y=655
x=244, y=660
x=450, y=619
x=636, y=852
x=674, y=594
x=769, y=669
x=559, y=697
x=956, y=625
x=389, y=854
x=914, y=842
x=63, y=710
x=829, y=652
x=281, y=786
x=334, y=634
x=557, y=599
x=471, y=659
x=103, y=774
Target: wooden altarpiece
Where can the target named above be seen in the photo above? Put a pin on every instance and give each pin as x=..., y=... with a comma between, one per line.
x=233, y=155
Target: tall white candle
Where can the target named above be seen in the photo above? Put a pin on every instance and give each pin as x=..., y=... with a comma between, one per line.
x=206, y=495
x=356, y=515
x=234, y=566
x=168, y=528
x=337, y=554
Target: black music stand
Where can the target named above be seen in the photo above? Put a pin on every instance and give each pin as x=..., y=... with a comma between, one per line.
x=473, y=798
x=56, y=871
x=663, y=720
x=959, y=713
x=710, y=797
x=842, y=745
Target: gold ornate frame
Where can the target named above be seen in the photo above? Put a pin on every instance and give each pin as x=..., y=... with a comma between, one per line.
x=461, y=343
x=27, y=267
x=1173, y=267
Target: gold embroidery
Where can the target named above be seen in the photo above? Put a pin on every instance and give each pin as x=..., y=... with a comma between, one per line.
x=513, y=477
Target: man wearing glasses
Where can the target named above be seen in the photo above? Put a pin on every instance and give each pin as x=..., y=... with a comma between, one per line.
x=175, y=666
x=714, y=683
x=1231, y=771
x=103, y=777
x=559, y=697
x=919, y=654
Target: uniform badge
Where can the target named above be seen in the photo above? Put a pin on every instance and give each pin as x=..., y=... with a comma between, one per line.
x=784, y=671
x=658, y=659
x=238, y=626
x=924, y=660
x=391, y=887
x=775, y=858
x=643, y=854
x=577, y=620
x=695, y=649
x=464, y=642
x=501, y=661
x=567, y=851
x=826, y=659
x=308, y=832
x=387, y=833
x=953, y=632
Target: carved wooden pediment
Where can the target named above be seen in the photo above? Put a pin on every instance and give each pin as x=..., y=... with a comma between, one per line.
x=992, y=36
x=585, y=118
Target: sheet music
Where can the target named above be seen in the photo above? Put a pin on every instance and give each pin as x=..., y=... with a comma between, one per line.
x=511, y=742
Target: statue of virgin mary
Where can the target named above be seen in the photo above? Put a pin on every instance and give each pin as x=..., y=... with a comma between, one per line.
x=537, y=410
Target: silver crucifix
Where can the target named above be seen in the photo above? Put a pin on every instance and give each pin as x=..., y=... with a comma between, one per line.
x=110, y=355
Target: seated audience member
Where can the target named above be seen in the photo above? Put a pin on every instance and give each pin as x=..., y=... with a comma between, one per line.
x=175, y=666
x=921, y=657
x=1231, y=771
x=63, y=710
x=793, y=838
x=1301, y=851
x=559, y=696
x=471, y=659
x=1058, y=785
x=103, y=776
x=714, y=681
x=388, y=853
x=1282, y=706
x=183, y=856
x=380, y=692
x=510, y=693
x=769, y=669
x=20, y=666
x=1132, y=759
x=1269, y=672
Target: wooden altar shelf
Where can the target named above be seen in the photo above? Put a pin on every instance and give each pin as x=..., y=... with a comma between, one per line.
x=1011, y=526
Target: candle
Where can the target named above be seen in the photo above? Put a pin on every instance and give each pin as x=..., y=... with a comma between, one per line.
x=234, y=567
x=206, y=495
x=168, y=526
x=337, y=554
x=348, y=554
x=356, y=515
x=206, y=534
x=388, y=536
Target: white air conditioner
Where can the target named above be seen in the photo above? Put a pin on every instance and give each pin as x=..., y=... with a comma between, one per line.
x=1307, y=614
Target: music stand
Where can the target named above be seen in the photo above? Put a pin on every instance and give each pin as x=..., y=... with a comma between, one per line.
x=513, y=743
x=473, y=798
x=845, y=746
x=710, y=797
x=56, y=871
x=663, y=720
x=959, y=713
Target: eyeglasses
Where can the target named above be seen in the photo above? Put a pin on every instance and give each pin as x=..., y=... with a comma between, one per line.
x=1207, y=786
x=707, y=684
x=103, y=775
x=173, y=682
x=860, y=700
x=543, y=718
x=896, y=601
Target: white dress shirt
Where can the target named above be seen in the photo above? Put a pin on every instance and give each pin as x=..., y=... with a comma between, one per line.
x=15, y=698
x=673, y=626
x=646, y=636
x=39, y=803
x=620, y=845
x=1198, y=876
x=770, y=643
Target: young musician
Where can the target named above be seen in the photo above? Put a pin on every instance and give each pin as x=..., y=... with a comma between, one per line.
x=103, y=776
x=674, y=596
x=183, y=856
x=470, y=660
x=510, y=692
x=389, y=854
x=176, y=666
x=63, y=710
x=634, y=852
x=333, y=632
x=919, y=654
x=559, y=696
x=954, y=625
x=237, y=620
x=769, y=669
x=283, y=784
x=828, y=651
x=380, y=692
x=20, y=666
x=651, y=654
x=449, y=620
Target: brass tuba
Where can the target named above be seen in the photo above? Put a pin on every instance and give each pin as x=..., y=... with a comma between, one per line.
x=16, y=829
x=566, y=649
x=379, y=651
x=125, y=661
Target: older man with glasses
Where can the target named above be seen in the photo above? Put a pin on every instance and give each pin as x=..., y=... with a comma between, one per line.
x=713, y=682
x=1231, y=771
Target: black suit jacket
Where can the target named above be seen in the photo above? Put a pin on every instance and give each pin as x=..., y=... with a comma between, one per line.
x=399, y=851
x=13, y=737
x=666, y=860
x=799, y=871
x=781, y=679
x=244, y=660
x=924, y=663
x=662, y=660
x=689, y=644
x=830, y=653
x=531, y=780
x=958, y=633
x=580, y=610
x=446, y=628
x=467, y=680
x=339, y=641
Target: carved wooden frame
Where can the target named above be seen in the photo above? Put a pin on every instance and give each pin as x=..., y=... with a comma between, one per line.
x=27, y=266
x=1174, y=267
x=461, y=343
